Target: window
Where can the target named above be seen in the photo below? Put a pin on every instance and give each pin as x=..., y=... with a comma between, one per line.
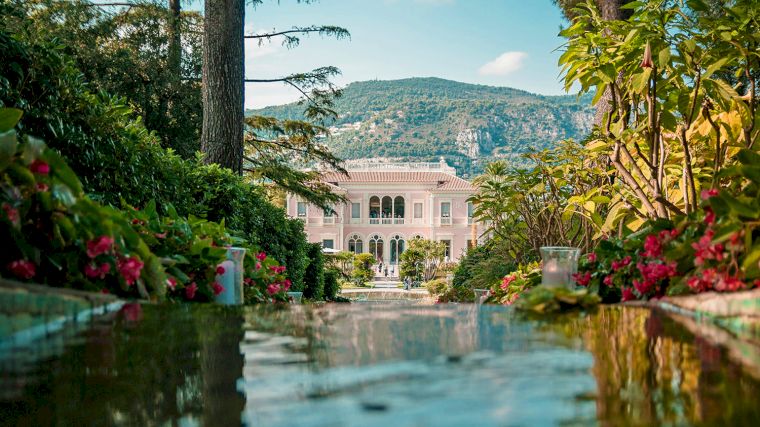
x=418, y=210
x=445, y=209
x=355, y=244
x=356, y=210
x=470, y=210
x=447, y=251
x=328, y=243
x=397, y=248
x=301, y=209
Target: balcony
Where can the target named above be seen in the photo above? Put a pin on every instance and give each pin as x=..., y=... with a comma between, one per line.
x=328, y=220
x=387, y=221
x=445, y=220
x=399, y=221
x=374, y=220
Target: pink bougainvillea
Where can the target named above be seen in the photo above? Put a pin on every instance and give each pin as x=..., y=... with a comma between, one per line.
x=218, y=288
x=129, y=268
x=39, y=167
x=190, y=290
x=94, y=271
x=99, y=246
x=23, y=269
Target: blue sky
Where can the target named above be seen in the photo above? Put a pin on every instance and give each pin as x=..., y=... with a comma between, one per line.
x=495, y=42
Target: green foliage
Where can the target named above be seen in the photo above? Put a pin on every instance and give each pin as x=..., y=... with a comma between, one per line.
x=314, y=279
x=421, y=119
x=362, y=272
x=119, y=161
x=342, y=262
x=484, y=265
x=331, y=284
x=544, y=300
x=56, y=235
x=421, y=259
x=508, y=289
x=444, y=292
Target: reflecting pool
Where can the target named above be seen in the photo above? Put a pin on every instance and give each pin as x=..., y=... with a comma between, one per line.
x=379, y=364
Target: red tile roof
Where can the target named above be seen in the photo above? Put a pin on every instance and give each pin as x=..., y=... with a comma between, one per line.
x=441, y=181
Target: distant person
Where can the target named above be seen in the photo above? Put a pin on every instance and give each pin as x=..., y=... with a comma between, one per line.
x=385, y=271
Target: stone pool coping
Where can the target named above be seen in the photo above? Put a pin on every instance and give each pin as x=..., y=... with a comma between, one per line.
x=44, y=324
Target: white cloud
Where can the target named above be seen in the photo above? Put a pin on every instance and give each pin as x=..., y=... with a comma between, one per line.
x=506, y=63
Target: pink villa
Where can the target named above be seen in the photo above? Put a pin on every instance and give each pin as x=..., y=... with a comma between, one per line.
x=390, y=204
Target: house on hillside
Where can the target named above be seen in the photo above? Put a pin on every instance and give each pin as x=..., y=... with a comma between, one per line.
x=390, y=204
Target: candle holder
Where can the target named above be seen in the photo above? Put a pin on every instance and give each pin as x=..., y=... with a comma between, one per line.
x=560, y=263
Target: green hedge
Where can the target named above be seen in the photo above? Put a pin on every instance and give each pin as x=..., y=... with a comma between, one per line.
x=314, y=281
x=331, y=284
x=119, y=161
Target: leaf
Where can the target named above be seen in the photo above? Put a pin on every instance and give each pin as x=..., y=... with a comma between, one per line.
x=8, y=147
x=715, y=66
x=751, y=260
x=663, y=58
x=8, y=118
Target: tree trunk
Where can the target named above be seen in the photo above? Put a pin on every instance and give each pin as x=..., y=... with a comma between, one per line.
x=222, y=135
x=610, y=10
x=175, y=42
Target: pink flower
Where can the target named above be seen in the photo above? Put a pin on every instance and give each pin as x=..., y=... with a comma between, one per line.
x=273, y=288
x=190, y=290
x=219, y=270
x=582, y=279
x=709, y=216
x=507, y=281
x=277, y=269
x=160, y=235
x=652, y=246
x=171, y=283
x=643, y=287
x=261, y=256
x=23, y=269
x=101, y=245
x=92, y=271
x=258, y=266
x=11, y=213
x=218, y=289
x=618, y=264
x=628, y=294
x=39, y=167
x=591, y=257
x=130, y=268
x=647, y=62
x=706, y=194
x=608, y=280
x=286, y=285
x=248, y=281
x=41, y=187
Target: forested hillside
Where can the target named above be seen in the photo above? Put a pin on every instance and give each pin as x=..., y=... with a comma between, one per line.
x=425, y=118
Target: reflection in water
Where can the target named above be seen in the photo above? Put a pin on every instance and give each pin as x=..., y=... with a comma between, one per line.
x=380, y=365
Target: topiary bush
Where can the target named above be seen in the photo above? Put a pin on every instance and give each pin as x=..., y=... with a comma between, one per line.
x=314, y=280
x=331, y=284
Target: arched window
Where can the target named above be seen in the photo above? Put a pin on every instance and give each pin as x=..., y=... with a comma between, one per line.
x=374, y=207
x=398, y=207
x=376, y=246
x=387, y=207
x=397, y=248
x=355, y=244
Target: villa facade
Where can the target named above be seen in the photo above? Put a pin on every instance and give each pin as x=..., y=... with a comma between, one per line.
x=390, y=204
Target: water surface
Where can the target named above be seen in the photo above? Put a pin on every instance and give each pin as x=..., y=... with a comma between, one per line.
x=379, y=364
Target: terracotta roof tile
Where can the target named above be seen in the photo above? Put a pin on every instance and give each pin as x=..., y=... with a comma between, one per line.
x=442, y=181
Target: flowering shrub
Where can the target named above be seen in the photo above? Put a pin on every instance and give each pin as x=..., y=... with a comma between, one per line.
x=513, y=284
x=59, y=236
x=265, y=279
x=714, y=249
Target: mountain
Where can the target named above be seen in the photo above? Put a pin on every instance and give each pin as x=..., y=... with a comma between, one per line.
x=422, y=119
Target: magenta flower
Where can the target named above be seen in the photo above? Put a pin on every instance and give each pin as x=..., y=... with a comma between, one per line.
x=591, y=257
x=582, y=279
x=22, y=268
x=277, y=269
x=190, y=290
x=273, y=288
x=41, y=187
x=258, y=266
x=628, y=294
x=286, y=285
x=101, y=245
x=219, y=270
x=261, y=256
x=706, y=194
x=39, y=167
x=171, y=283
x=132, y=312
x=11, y=213
x=608, y=280
x=652, y=246
x=507, y=281
x=218, y=289
x=709, y=216
x=130, y=268
x=92, y=271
